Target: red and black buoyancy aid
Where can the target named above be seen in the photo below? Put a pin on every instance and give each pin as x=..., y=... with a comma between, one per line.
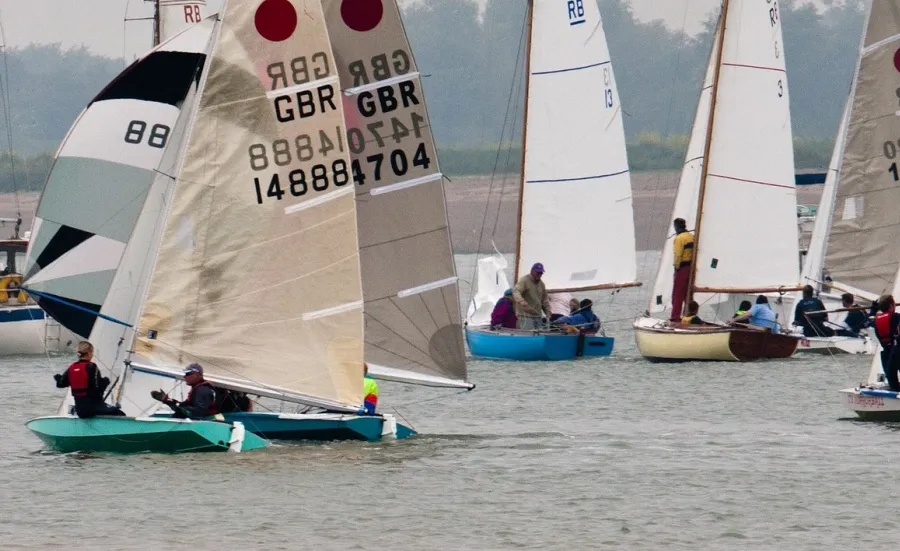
x=79, y=379
x=211, y=410
x=884, y=327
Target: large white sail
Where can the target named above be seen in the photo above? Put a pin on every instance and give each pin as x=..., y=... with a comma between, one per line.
x=257, y=276
x=747, y=231
x=104, y=176
x=412, y=315
x=576, y=206
x=688, y=193
x=861, y=250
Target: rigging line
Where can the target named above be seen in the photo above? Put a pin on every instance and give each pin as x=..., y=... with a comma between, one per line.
x=491, y=182
x=7, y=113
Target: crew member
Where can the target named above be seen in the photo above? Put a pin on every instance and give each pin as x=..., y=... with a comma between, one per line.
x=683, y=247
x=370, y=392
x=887, y=323
x=83, y=377
x=532, y=301
x=200, y=401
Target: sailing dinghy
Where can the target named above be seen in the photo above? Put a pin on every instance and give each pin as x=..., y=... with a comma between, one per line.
x=740, y=155
x=279, y=312
x=575, y=187
x=856, y=250
x=92, y=243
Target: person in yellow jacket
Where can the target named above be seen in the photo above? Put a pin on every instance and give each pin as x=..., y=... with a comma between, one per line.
x=370, y=392
x=683, y=247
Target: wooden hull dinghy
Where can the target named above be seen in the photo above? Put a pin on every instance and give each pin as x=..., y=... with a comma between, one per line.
x=659, y=343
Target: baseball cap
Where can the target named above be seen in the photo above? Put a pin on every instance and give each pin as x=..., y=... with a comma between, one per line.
x=194, y=368
x=538, y=267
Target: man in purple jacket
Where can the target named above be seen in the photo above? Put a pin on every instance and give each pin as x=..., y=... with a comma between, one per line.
x=504, y=314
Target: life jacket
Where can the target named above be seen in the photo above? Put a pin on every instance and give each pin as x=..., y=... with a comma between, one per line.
x=79, y=379
x=884, y=329
x=740, y=313
x=688, y=319
x=370, y=391
x=211, y=410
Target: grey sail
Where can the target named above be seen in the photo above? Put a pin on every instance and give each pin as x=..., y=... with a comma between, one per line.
x=412, y=314
x=862, y=251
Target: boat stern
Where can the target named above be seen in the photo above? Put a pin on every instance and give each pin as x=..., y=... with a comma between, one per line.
x=873, y=404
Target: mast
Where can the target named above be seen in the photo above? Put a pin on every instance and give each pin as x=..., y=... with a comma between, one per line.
x=709, y=132
x=529, y=23
x=156, y=23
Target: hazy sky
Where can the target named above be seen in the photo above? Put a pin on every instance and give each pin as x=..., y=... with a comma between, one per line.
x=98, y=24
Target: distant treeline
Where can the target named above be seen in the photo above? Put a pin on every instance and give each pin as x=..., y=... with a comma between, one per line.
x=648, y=152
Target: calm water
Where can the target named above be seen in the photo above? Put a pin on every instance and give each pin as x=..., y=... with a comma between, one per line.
x=585, y=455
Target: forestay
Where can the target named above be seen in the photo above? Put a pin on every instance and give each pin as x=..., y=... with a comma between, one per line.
x=688, y=192
x=257, y=276
x=412, y=315
x=576, y=205
x=103, y=178
x=862, y=249
x=747, y=232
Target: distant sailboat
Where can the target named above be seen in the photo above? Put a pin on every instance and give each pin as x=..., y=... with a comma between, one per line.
x=576, y=185
x=739, y=160
x=854, y=240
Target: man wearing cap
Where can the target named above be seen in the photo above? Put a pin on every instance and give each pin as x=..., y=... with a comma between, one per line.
x=531, y=299
x=200, y=401
x=683, y=249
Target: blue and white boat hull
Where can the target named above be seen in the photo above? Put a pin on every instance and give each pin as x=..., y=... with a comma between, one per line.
x=873, y=404
x=529, y=346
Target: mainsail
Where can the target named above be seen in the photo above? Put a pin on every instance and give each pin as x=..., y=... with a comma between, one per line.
x=257, y=275
x=745, y=125
x=576, y=184
x=412, y=314
x=104, y=176
x=861, y=250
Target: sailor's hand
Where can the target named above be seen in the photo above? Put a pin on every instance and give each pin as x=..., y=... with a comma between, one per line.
x=523, y=303
x=158, y=395
x=57, y=377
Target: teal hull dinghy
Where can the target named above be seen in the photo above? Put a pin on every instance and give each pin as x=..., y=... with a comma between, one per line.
x=127, y=435
x=322, y=427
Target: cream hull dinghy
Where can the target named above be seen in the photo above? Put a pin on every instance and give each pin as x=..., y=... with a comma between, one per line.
x=658, y=342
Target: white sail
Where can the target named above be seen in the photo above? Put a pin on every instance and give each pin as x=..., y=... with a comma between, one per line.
x=577, y=216
x=811, y=273
x=104, y=175
x=257, y=276
x=412, y=313
x=747, y=232
x=491, y=282
x=688, y=193
x=861, y=250
x=177, y=15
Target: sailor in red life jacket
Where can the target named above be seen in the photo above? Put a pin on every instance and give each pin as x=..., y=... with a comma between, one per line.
x=887, y=325
x=83, y=377
x=200, y=401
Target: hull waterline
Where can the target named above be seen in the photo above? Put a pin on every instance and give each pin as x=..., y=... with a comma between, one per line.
x=321, y=427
